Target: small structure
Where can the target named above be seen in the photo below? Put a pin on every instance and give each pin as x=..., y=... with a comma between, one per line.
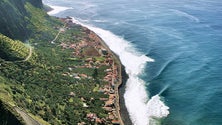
x=109, y=103
x=109, y=109
x=115, y=122
x=72, y=94
x=81, y=123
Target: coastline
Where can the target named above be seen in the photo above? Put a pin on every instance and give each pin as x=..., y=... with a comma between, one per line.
x=123, y=110
x=119, y=103
x=120, y=87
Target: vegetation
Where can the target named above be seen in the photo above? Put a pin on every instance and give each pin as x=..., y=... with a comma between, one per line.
x=44, y=85
x=13, y=50
x=8, y=116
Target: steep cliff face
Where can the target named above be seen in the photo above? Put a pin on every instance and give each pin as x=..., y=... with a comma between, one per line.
x=14, y=18
x=16, y=23
x=36, y=3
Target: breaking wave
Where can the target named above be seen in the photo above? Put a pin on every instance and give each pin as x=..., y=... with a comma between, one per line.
x=141, y=109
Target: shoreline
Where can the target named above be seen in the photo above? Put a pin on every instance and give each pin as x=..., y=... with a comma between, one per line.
x=120, y=106
x=120, y=88
x=123, y=110
x=119, y=78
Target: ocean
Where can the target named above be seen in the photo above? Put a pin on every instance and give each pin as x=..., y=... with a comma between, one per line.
x=172, y=52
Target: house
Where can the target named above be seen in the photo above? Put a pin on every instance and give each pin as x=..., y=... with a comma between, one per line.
x=72, y=94
x=112, y=96
x=109, y=109
x=81, y=123
x=98, y=120
x=91, y=116
x=103, y=99
x=109, y=103
x=115, y=122
x=111, y=116
x=83, y=75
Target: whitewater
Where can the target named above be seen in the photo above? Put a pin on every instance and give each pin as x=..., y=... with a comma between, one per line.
x=171, y=51
x=142, y=110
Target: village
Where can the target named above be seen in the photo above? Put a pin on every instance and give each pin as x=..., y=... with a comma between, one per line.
x=88, y=48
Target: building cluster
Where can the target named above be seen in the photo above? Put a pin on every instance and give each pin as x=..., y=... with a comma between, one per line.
x=109, y=89
x=77, y=75
x=111, y=77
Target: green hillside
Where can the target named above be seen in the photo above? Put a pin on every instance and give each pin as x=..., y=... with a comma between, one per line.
x=12, y=50
x=44, y=78
x=17, y=17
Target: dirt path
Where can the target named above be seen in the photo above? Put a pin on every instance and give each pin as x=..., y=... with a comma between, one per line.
x=56, y=36
x=60, y=30
x=30, y=54
x=28, y=119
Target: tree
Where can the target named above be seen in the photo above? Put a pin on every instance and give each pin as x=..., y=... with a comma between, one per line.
x=95, y=73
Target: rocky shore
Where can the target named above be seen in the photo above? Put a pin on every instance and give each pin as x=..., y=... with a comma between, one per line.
x=123, y=111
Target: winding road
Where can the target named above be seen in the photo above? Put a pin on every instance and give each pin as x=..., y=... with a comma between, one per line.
x=60, y=30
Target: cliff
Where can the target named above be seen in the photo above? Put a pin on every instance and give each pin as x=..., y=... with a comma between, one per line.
x=53, y=71
x=15, y=24
x=15, y=18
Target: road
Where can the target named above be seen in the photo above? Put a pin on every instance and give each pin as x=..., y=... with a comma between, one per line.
x=60, y=30
x=28, y=119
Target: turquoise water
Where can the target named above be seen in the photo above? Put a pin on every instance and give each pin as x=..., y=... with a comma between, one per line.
x=185, y=40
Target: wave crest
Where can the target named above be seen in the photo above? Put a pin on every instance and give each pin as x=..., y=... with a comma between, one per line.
x=181, y=13
x=136, y=97
x=156, y=108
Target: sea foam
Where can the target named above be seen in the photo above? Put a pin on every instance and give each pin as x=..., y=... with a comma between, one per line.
x=141, y=109
x=57, y=9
